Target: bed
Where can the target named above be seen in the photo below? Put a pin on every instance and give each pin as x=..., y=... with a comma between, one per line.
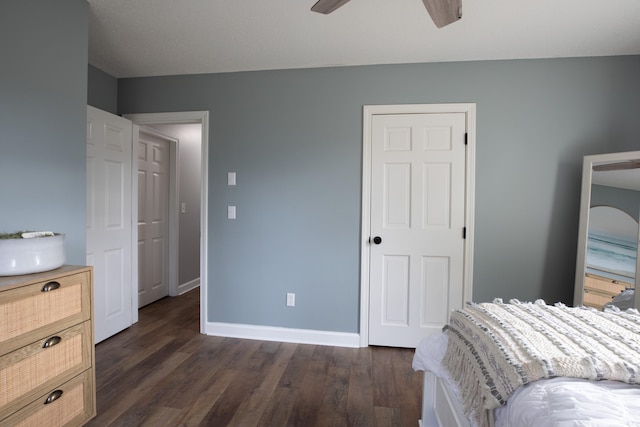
x=532, y=364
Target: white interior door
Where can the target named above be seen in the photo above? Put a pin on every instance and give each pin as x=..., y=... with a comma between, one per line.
x=153, y=217
x=109, y=221
x=417, y=220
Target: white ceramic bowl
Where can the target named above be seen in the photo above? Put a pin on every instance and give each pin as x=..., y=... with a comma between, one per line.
x=25, y=256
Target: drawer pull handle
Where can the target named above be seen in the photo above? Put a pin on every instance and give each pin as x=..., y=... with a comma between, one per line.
x=55, y=395
x=51, y=342
x=51, y=286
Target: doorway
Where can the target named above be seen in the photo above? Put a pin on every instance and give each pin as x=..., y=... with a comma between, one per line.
x=417, y=219
x=174, y=123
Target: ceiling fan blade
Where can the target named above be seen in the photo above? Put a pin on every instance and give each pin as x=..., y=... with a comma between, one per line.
x=444, y=12
x=327, y=6
x=631, y=164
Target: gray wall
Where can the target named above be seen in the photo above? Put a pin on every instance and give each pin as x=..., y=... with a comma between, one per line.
x=43, y=108
x=294, y=137
x=623, y=199
x=102, y=90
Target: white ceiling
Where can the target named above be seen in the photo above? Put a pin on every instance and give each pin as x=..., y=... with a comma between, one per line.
x=132, y=38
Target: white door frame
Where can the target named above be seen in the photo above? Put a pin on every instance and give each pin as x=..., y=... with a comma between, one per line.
x=186, y=117
x=368, y=112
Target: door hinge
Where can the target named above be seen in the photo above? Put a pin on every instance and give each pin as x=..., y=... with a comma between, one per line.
x=464, y=232
x=466, y=138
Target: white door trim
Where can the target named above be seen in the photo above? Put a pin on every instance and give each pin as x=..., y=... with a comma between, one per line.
x=189, y=117
x=368, y=112
x=134, y=222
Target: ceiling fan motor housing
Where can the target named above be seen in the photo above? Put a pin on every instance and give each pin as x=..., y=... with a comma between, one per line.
x=442, y=12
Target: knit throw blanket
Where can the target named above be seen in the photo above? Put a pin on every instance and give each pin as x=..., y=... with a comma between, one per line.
x=494, y=348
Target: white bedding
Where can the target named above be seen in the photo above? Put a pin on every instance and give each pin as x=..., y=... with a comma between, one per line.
x=558, y=402
x=569, y=402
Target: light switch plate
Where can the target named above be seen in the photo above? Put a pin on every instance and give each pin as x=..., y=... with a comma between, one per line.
x=231, y=212
x=231, y=178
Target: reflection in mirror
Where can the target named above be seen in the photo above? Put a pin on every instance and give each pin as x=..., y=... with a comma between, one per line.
x=612, y=247
x=607, y=261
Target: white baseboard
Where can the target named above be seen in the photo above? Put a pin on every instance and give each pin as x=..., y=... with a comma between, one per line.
x=271, y=333
x=186, y=287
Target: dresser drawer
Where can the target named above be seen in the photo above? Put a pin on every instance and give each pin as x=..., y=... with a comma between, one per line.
x=32, y=370
x=71, y=404
x=31, y=312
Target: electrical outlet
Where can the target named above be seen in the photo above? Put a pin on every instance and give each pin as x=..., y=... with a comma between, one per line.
x=291, y=300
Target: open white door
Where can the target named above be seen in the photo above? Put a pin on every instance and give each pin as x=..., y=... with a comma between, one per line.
x=109, y=220
x=153, y=216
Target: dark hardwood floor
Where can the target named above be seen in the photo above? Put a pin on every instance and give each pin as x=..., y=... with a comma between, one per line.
x=163, y=372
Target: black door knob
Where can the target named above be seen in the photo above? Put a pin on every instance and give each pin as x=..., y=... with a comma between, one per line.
x=377, y=240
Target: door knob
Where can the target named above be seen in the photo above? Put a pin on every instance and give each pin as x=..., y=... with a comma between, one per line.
x=377, y=240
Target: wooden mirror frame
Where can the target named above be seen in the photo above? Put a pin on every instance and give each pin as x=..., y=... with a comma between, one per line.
x=585, y=204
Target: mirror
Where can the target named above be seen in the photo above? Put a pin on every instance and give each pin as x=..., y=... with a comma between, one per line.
x=608, y=266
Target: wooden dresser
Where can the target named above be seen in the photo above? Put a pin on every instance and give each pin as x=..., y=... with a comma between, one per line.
x=599, y=291
x=47, y=357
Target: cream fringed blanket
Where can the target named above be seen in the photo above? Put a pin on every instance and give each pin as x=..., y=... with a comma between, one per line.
x=494, y=348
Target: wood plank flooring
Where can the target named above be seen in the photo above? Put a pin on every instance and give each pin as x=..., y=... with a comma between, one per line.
x=163, y=372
